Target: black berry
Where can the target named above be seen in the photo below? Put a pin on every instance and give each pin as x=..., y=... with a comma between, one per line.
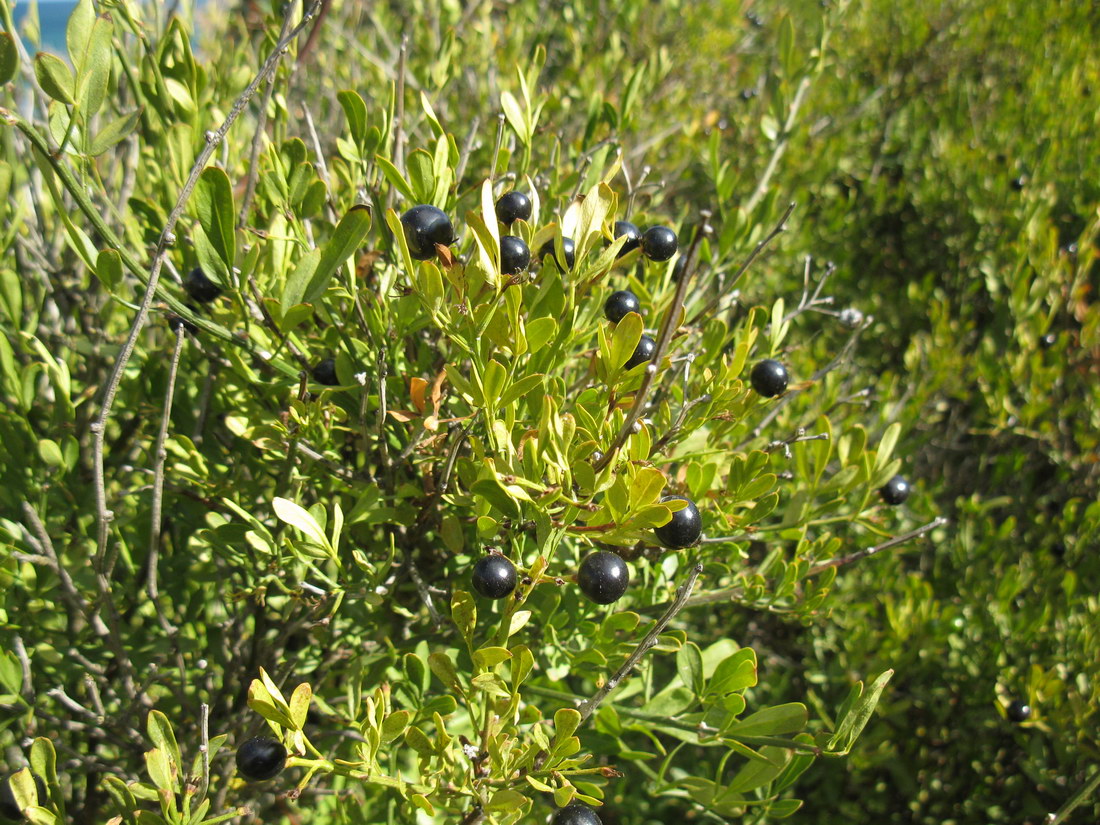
x=619, y=304
x=1018, y=711
x=1048, y=340
x=659, y=243
x=514, y=255
x=200, y=288
x=678, y=269
x=1017, y=184
x=568, y=248
x=425, y=226
x=603, y=578
x=8, y=807
x=575, y=814
x=513, y=206
x=895, y=491
x=684, y=528
x=642, y=353
x=261, y=758
x=325, y=373
x=633, y=236
x=494, y=576
x=175, y=322
x=769, y=378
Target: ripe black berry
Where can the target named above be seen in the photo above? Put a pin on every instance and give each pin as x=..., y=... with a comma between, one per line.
x=633, y=236
x=200, y=288
x=603, y=577
x=175, y=322
x=769, y=378
x=261, y=758
x=514, y=255
x=575, y=814
x=659, y=243
x=8, y=807
x=1017, y=184
x=642, y=353
x=619, y=304
x=1018, y=711
x=325, y=373
x=1048, y=340
x=568, y=248
x=425, y=226
x=513, y=206
x=678, y=269
x=895, y=491
x=684, y=528
x=494, y=576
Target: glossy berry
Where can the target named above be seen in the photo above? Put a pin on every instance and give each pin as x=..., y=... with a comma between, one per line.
x=895, y=491
x=575, y=814
x=514, y=255
x=620, y=304
x=633, y=236
x=8, y=807
x=325, y=373
x=261, y=758
x=684, y=528
x=659, y=243
x=603, y=578
x=678, y=269
x=512, y=207
x=1018, y=711
x=175, y=322
x=494, y=576
x=568, y=248
x=1048, y=340
x=425, y=226
x=642, y=353
x=769, y=378
x=1017, y=184
x=200, y=288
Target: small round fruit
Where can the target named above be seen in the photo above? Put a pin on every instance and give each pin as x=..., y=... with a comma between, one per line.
x=1017, y=184
x=200, y=288
x=514, y=255
x=620, y=304
x=633, y=236
x=425, y=226
x=1018, y=711
x=512, y=207
x=494, y=576
x=1048, y=340
x=850, y=317
x=261, y=758
x=603, y=577
x=642, y=353
x=325, y=373
x=769, y=378
x=575, y=814
x=684, y=528
x=678, y=269
x=568, y=248
x=659, y=243
x=895, y=491
x=9, y=809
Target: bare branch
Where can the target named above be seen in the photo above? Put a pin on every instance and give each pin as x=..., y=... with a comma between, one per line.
x=878, y=548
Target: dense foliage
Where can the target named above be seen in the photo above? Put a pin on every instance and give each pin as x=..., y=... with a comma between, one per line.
x=364, y=481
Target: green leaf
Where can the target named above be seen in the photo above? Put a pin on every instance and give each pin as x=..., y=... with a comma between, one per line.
x=396, y=179
x=464, y=613
x=566, y=721
x=95, y=68
x=783, y=808
x=645, y=490
x=755, y=774
x=346, y=239
x=420, y=169
x=514, y=113
x=214, y=201
x=444, y=669
x=161, y=734
x=520, y=388
x=689, y=664
x=628, y=332
x=78, y=31
x=787, y=718
x=160, y=770
x=55, y=77
x=506, y=799
x=486, y=658
x=299, y=518
x=299, y=705
x=295, y=287
x=851, y=725
x=394, y=725
x=114, y=133
x=355, y=110
x=886, y=445
x=9, y=58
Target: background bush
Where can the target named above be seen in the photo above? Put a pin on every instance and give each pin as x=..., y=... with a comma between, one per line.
x=942, y=158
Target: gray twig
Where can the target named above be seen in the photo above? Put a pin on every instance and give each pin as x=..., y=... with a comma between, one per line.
x=878, y=548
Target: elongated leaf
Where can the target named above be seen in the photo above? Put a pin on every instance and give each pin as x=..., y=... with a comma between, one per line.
x=464, y=613
x=851, y=725
x=295, y=287
x=346, y=239
x=299, y=704
x=628, y=332
x=394, y=176
x=214, y=202
x=9, y=58
x=355, y=110
x=161, y=734
x=788, y=718
x=79, y=30
x=55, y=77
x=114, y=133
x=160, y=770
x=95, y=69
x=298, y=517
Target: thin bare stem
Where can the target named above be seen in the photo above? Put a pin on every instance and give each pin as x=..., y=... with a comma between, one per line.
x=780, y=145
x=1082, y=793
x=878, y=548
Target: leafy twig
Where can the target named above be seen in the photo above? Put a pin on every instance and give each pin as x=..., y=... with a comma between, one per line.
x=878, y=548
